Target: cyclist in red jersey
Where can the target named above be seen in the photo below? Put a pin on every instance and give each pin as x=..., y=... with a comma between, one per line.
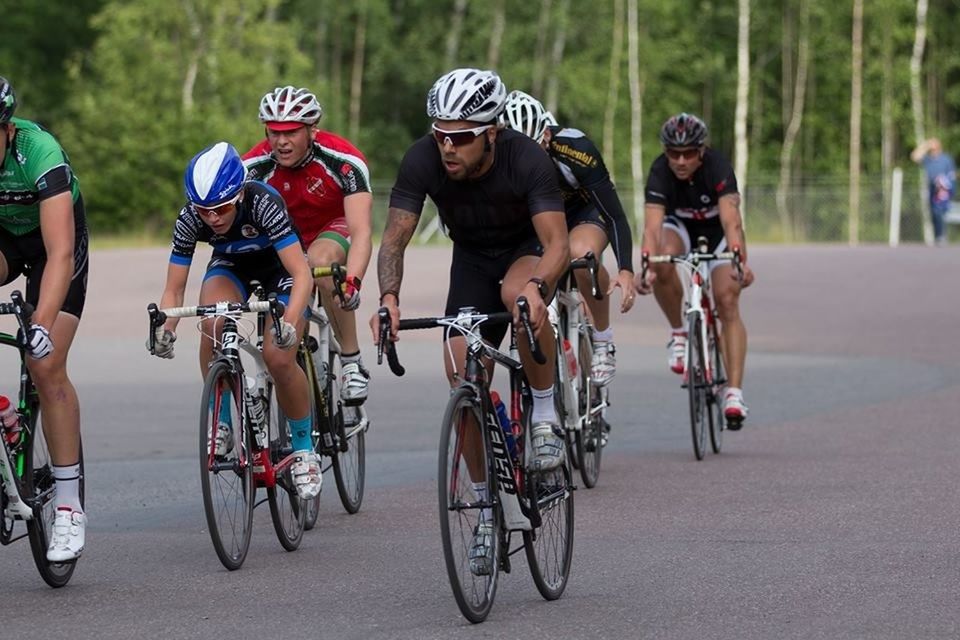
x=325, y=183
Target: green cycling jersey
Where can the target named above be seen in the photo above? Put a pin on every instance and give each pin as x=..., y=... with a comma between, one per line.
x=34, y=168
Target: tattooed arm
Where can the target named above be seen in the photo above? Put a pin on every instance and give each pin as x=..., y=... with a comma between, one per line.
x=400, y=227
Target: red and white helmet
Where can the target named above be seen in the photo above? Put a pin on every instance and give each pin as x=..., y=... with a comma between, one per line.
x=287, y=108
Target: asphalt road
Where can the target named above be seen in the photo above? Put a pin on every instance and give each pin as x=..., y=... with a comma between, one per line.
x=832, y=514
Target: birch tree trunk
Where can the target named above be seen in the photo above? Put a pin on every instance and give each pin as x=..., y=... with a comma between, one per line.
x=796, y=117
x=743, y=97
x=356, y=75
x=856, y=113
x=886, y=117
x=193, y=67
x=786, y=60
x=453, y=34
x=636, y=110
x=613, y=90
x=916, y=102
x=336, y=70
x=556, y=56
x=496, y=34
x=540, y=55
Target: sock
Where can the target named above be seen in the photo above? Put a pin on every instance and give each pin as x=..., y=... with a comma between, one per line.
x=603, y=336
x=300, y=434
x=678, y=331
x=347, y=358
x=543, y=409
x=737, y=391
x=480, y=489
x=67, y=480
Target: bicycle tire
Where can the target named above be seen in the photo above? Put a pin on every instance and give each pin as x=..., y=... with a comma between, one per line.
x=287, y=510
x=696, y=387
x=228, y=493
x=38, y=484
x=549, y=547
x=714, y=401
x=589, y=439
x=457, y=502
x=349, y=435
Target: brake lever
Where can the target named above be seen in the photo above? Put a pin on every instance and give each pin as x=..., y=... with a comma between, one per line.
x=523, y=306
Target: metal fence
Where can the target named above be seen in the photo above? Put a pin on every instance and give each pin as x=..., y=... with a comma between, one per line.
x=817, y=211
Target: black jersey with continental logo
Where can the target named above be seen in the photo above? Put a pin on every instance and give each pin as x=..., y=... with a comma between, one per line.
x=693, y=201
x=262, y=224
x=493, y=213
x=585, y=182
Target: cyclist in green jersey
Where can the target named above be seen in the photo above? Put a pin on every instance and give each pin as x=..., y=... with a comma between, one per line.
x=43, y=235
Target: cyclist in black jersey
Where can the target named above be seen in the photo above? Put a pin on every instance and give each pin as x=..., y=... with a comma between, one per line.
x=43, y=235
x=246, y=223
x=594, y=216
x=691, y=192
x=498, y=198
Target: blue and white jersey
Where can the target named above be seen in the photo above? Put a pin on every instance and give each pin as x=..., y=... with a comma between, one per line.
x=261, y=225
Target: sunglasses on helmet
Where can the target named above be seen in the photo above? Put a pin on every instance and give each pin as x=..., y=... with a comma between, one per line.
x=459, y=137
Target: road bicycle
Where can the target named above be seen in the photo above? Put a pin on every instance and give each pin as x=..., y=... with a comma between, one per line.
x=339, y=430
x=704, y=375
x=486, y=492
x=26, y=472
x=582, y=404
x=259, y=450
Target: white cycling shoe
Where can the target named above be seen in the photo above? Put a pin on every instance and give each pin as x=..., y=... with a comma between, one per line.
x=677, y=348
x=224, y=443
x=549, y=450
x=481, y=550
x=66, y=535
x=604, y=365
x=306, y=474
x=354, y=381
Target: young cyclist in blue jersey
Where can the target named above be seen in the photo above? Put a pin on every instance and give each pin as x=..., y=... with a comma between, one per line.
x=247, y=225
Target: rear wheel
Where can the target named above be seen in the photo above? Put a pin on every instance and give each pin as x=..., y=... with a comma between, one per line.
x=226, y=481
x=697, y=387
x=549, y=547
x=39, y=484
x=589, y=438
x=349, y=428
x=714, y=399
x=287, y=510
x=463, y=477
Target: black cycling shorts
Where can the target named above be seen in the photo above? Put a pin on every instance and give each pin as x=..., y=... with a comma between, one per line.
x=243, y=270
x=26, y=255
x=475, y=281
x=688, y=232
x=585, y=215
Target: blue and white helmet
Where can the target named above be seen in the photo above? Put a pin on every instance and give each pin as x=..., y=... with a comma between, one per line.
x=214, y=176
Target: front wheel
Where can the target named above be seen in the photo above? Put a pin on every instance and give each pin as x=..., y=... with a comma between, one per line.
x=38, y=484
x=287, y=510
x=589, y=438
x=226, y=480
x=349, y=426
x=467, y=493
x=549, y=547
x=697, y=387
x=714, y=398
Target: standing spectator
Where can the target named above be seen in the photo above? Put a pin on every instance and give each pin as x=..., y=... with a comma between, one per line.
x=941, y=182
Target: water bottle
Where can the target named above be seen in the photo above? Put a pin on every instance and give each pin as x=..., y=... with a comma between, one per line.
x=504, y=423
x=571, y=358
x=10, y=419
x=255, y=411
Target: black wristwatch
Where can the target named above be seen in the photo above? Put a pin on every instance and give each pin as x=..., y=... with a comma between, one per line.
x=542, y=287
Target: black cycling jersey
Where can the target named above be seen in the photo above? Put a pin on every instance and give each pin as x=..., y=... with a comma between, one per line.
x=493, y=213
x=585, y=183
x=261, y=225
x=695, y=201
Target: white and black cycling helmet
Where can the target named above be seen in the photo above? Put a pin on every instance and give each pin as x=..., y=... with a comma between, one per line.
x=8, y=101
x=683, y=130
x=287, y=108
x=467, y=94
x=525, y=114
x=549, y=119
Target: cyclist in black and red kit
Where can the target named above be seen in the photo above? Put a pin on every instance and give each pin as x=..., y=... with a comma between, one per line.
x=497, y=195
x=594, y=216
x=691, y=192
